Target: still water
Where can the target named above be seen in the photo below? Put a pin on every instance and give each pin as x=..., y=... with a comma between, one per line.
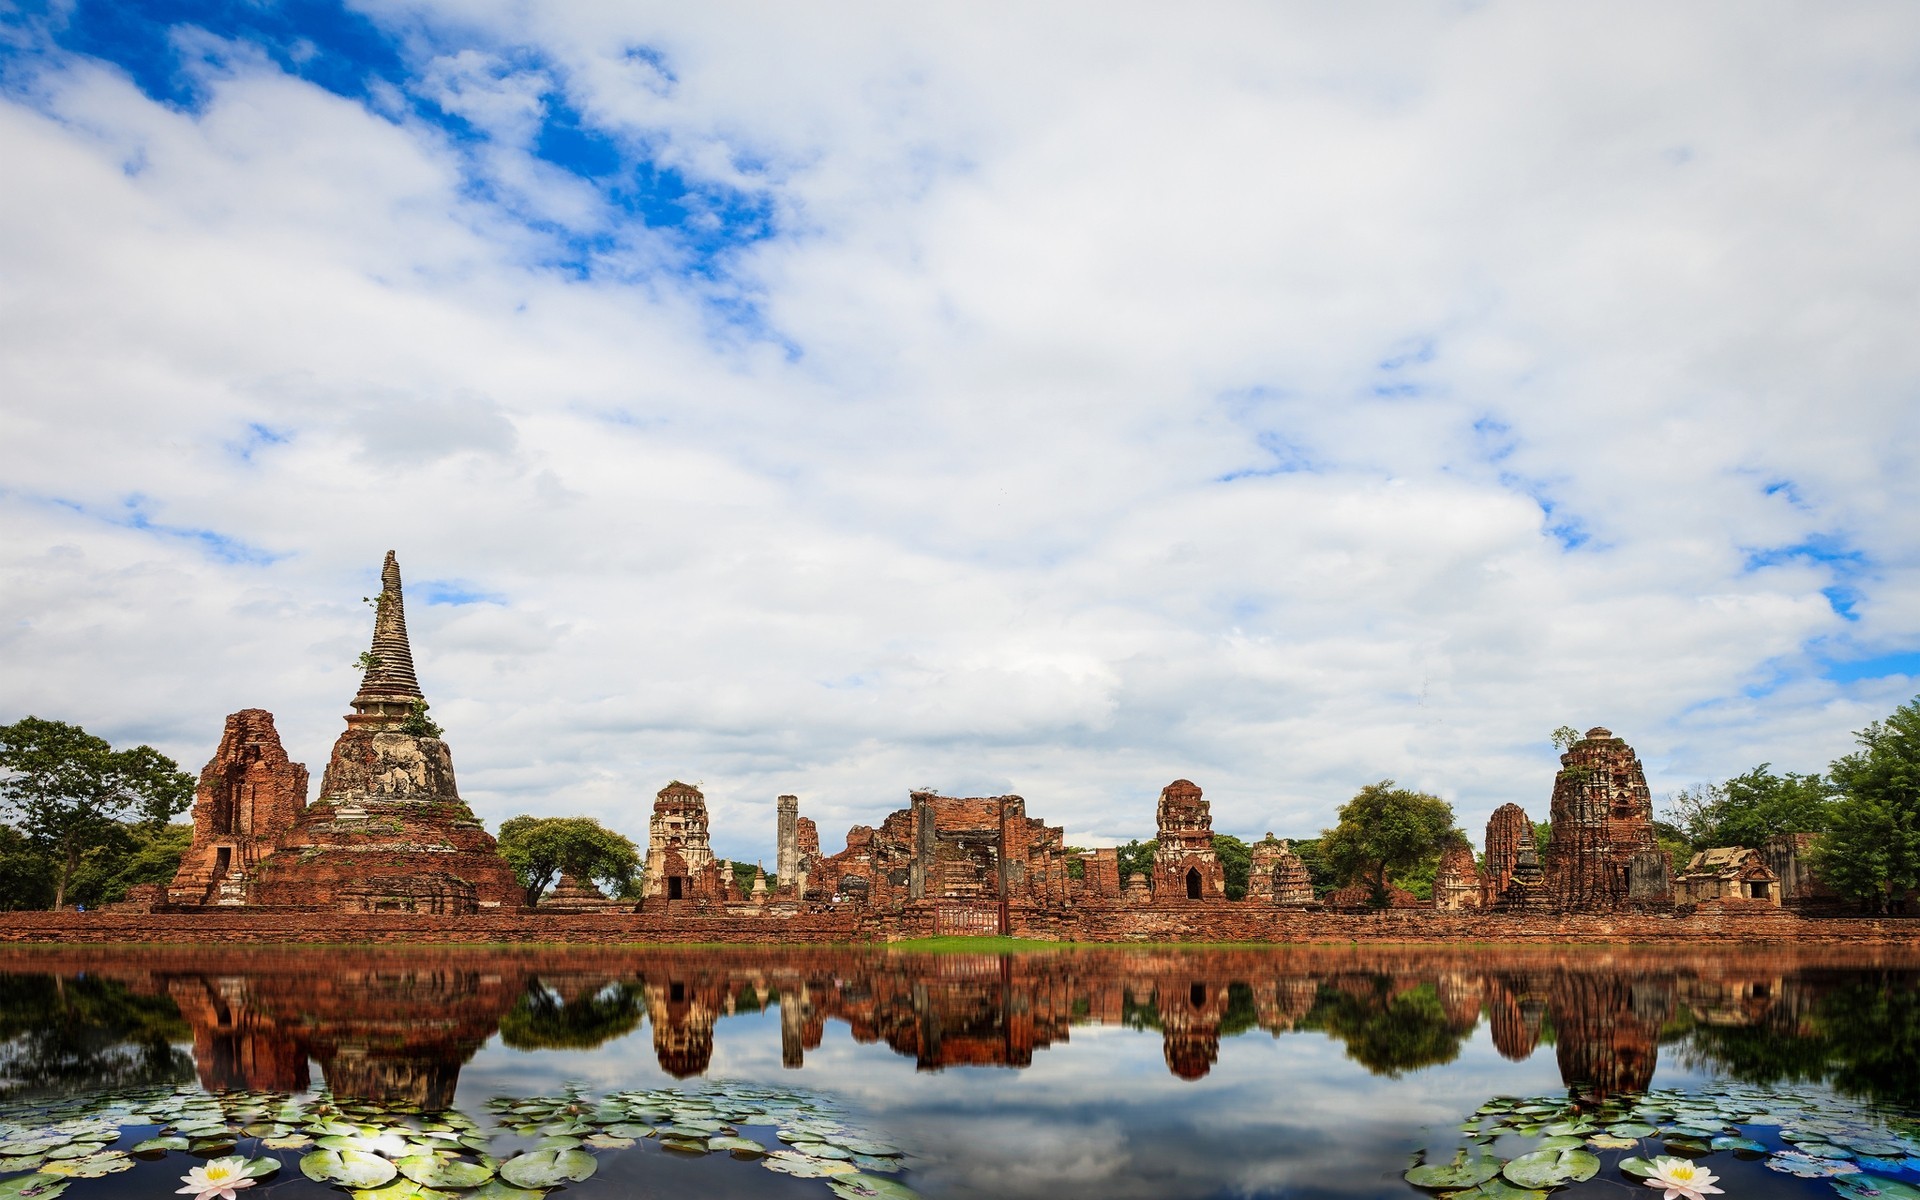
x=416, y=1075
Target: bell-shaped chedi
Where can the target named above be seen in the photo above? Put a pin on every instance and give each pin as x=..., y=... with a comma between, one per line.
x=389, y=831
x=1602, y=819
x=1185, y=866
x=249, y=794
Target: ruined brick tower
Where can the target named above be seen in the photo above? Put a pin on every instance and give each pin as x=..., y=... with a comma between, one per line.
x=249, y=794
x=1508, y=830
x=1602, y=821
x=1277, y=875
x=678, y=853
x=1457, y=883
x=1184, y=864
x=389, y=831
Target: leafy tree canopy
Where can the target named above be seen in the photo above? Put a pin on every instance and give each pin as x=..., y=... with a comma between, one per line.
x=1751, y=808
x=1137, y=855
x=1871, y=850
x=71, y=794
x=540, y=848
x=1387, y=830
x=1236, y=863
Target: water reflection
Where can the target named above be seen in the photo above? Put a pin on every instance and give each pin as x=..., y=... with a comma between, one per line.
x=395, y=1027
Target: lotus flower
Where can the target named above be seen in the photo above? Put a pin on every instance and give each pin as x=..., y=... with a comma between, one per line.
x=1683, y=1180
x=222, y=1178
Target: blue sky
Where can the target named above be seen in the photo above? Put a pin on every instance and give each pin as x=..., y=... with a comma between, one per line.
x=1282, y=397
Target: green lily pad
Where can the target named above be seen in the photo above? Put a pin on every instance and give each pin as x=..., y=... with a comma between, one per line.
x=94, y=1166
x=1739, y=1143
x=158, y=1145
x=558, y=1143
x=260, y=1168
x=1632, y=1129
x=1551, y=1168
x=863, y=1187
x=349, y=1168
x=32, y=1187
x=1562, y=1142
x=685, y=1145
x=402, y=1189
x=630, y=1130
x=443, y=1172
x=1496, y=1189
x=1824, y=1150
x=499, y=1189
x=737, y=1145
x=548, y=1168
x=1462, y=1172
x=1863, y=1187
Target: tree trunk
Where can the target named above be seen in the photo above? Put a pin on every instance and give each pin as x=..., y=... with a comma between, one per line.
x=67, y=868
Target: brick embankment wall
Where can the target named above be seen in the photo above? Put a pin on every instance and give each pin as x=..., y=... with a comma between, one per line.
x=1205, y=922
x=241, y=927
x=1706, y=923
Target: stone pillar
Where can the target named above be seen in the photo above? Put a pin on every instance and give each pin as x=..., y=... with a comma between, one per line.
x=786, y=860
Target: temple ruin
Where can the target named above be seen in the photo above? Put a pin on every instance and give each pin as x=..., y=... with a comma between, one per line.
x=388, y=831
x=250, y=793
x=1601, y=852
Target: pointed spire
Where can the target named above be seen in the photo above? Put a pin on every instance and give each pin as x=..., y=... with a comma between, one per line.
x=389, y=690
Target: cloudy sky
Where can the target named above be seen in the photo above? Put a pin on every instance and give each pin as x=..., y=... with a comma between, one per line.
x=1058, y=399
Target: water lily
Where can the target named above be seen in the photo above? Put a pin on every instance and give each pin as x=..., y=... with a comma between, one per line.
x=221, y=1177
x=1684, y=1180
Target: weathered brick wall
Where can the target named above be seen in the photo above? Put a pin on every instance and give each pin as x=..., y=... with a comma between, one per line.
x=1180, y=922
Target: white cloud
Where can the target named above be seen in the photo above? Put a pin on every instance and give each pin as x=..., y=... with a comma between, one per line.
x=953, y=511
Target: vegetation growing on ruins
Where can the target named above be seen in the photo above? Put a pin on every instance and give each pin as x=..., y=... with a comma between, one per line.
x=76, y=800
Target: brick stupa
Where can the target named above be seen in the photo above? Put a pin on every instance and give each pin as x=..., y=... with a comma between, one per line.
x=1602, y=833
x=389, y=831
x=1185, y=866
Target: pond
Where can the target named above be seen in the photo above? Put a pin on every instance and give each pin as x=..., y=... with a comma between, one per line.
x=843, y=1072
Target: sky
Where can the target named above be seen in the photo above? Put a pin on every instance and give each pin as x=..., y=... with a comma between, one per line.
x=1052, y=399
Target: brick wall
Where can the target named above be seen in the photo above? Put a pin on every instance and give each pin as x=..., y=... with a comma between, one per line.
x=1183, y=922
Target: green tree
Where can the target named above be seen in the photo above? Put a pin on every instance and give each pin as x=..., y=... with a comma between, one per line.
x=1751, y=808
x=1871, y=850
x=542, y=1019
x=137, y=854
x=26, y=877
x=540, y=848
x=1137, y=855
x=1236, y=862
x=1384, y=830
x=71, y=793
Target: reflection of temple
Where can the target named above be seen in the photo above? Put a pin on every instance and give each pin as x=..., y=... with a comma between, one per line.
x=397, y=1026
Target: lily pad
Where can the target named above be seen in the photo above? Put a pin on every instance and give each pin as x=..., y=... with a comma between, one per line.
x=402, y=1189
x=443, y=1172
x=1808, y=1167
x=1746, y=1144
x=1551, y=1168
x=737, y=1145
x=1632, y=1129
x=862, y=1187
x=1824, y=1150
x=1874, y=1187
x=501, y=1190
x=548, y=1168
x=1562, y=1142
x=1496, y=1189
x=349, y=1168
x=629, y=1130
x=158, y=1145
x=33, y=1187
x=1462, y=1172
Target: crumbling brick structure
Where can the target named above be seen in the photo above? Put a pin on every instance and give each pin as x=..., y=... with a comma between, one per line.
x=1277, y=875
x=1508, y=830
x=680, y=863
x=1457, y=883
x=1185, y=866
x=1099, y=876
x=250, y=793
x=1602, y=819
x=389, y=831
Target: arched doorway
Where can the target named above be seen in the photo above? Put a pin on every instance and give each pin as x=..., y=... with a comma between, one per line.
x=1193, y=883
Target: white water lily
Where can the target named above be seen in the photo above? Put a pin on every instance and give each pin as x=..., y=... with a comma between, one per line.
x=1684, y=1180
x=221, y=1177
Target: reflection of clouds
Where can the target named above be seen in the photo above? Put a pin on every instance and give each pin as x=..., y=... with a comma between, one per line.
x=1098, y=1114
